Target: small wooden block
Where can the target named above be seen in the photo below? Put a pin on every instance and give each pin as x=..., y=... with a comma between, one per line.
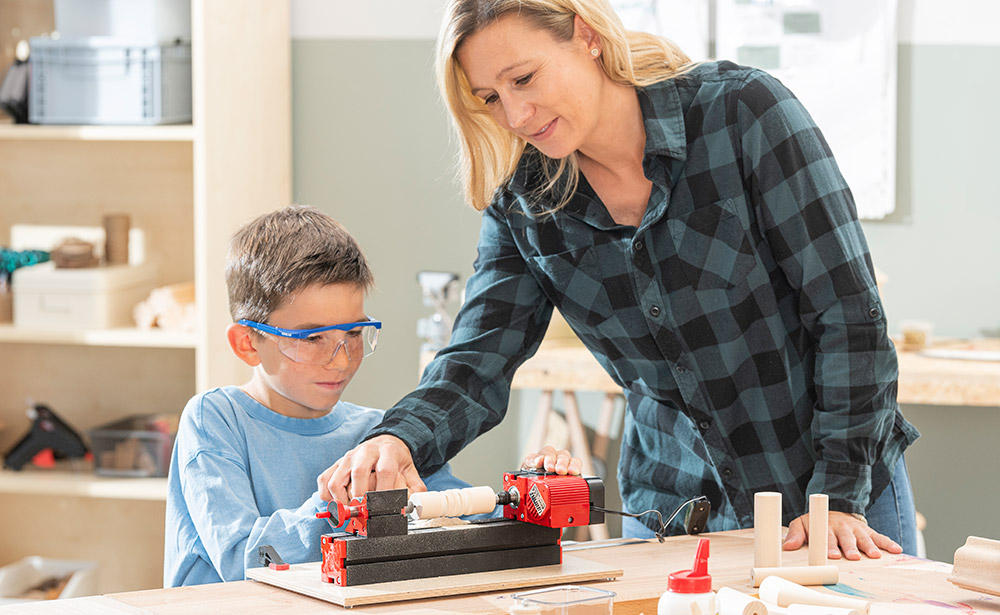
x=977, y=566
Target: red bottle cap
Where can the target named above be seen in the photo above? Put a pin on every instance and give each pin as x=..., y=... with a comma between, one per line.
x=696, y=581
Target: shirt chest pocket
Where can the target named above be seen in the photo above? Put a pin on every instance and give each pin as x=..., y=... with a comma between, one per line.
x=713, y=249
x=573, y=282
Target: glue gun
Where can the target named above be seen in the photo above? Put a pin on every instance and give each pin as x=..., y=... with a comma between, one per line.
x=48, y=431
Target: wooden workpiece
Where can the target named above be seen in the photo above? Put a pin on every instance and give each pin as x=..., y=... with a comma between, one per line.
x=732, y=602
x=819, y=522
x=767, y=529
x=977, y=566
x=782, y=592
x=803, y=575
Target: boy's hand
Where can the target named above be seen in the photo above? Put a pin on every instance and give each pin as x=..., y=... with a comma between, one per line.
x=551, y=460
x=384, y=462
x=846, y=533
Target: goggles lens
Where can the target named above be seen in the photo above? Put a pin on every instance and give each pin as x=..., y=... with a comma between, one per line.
x=320, y=346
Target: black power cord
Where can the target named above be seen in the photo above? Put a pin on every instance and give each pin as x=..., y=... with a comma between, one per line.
x=694, y=520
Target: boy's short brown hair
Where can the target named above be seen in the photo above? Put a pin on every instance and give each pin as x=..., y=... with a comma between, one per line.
x=279, y=253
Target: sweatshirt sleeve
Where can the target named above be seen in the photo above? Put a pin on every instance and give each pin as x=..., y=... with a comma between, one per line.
x=221, y=502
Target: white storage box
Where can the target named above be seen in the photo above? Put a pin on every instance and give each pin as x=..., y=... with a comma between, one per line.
x=154, y=21
x=103, y=297
x=100, y=80
x=31, y=572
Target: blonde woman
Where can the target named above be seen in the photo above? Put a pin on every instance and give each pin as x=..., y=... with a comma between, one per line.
x=691, y=225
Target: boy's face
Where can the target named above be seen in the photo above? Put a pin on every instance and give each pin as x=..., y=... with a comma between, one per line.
x=296, y=389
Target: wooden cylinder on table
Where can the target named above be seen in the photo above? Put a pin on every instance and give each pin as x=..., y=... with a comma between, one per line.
x=782, y=592
x=803, y=575
x=766, y=529
x=819, y=516
x=732, y=602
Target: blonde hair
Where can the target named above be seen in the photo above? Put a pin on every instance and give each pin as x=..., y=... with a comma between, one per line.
x=489, y=154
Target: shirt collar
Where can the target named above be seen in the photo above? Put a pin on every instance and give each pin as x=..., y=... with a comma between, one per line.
x=663, y=121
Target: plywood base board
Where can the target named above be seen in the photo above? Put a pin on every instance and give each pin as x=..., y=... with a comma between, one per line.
x=305, y=579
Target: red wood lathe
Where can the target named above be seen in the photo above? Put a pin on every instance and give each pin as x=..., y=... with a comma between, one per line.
x=378, y=545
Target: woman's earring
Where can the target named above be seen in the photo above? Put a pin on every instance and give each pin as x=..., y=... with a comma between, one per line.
x=595, y=52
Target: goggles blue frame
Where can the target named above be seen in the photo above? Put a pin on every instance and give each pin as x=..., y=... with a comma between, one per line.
x=299, y=334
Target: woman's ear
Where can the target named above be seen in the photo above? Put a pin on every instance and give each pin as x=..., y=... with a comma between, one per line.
x=244, y=343
x=586, y=34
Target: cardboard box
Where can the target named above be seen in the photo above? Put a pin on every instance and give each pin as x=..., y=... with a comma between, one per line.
x=97, y=298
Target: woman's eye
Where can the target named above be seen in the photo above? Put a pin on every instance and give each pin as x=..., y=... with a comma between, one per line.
x=525, y=79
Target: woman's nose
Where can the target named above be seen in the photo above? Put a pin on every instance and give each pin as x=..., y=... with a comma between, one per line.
x=518, y=111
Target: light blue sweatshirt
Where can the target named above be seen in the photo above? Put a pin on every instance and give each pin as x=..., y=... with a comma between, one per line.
x=242, y=475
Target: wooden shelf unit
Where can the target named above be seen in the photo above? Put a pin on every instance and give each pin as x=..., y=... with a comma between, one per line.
x=189, y=187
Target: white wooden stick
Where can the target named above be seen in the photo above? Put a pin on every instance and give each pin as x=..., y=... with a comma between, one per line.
x=732, y=602
x=766, y=529
x=819, y=512
x=783, y=592
x=453, y=502
x=812, y=609
x=803, y=575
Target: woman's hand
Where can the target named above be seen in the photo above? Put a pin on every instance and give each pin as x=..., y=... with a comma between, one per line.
x=846, y=533
x=384, y=462
x=551, y=460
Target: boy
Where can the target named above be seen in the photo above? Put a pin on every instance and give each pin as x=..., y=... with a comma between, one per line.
x=246, y=458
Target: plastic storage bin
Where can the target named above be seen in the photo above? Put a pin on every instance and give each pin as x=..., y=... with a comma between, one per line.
x=100, y=80
x=97, y=298
x=154, y=21
x=137, y=446
x=31, y=572
x=563, y=600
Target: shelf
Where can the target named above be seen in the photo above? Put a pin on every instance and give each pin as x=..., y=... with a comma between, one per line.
x=125, y=337
x=61, y=483
x=32, y=132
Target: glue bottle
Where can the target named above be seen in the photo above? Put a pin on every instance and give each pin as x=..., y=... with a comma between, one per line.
x=689, y=592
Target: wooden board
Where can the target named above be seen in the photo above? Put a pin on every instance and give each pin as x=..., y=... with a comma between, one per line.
x=305, y=579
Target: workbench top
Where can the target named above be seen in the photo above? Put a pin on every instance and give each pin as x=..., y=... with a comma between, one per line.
x=895, y=584
x=567, y=365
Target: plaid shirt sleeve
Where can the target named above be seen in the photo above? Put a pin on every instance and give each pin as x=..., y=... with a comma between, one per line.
x=464, y=391
x=808, y=218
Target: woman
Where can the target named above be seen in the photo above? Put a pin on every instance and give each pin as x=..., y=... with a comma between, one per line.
x=690, y=223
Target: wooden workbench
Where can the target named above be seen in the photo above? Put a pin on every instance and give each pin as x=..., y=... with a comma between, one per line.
x=568, y=365
x=895, y=584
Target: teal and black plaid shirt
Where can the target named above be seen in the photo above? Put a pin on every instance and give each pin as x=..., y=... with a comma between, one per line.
x=741, y=317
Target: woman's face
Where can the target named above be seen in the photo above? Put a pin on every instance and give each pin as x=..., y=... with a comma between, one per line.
x=544, y=90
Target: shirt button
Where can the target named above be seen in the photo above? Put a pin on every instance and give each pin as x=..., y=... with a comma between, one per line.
x=654, y=311
x=704, y=425
x=638, y=245
x=727, y=473
x=681, y=369
x=874, y=312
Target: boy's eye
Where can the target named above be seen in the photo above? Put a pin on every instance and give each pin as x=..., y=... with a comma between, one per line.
x=313, y=339
x=354, y=332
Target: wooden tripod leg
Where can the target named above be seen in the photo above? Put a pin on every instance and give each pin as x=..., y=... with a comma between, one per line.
x=539, y=425
x=580, y=448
